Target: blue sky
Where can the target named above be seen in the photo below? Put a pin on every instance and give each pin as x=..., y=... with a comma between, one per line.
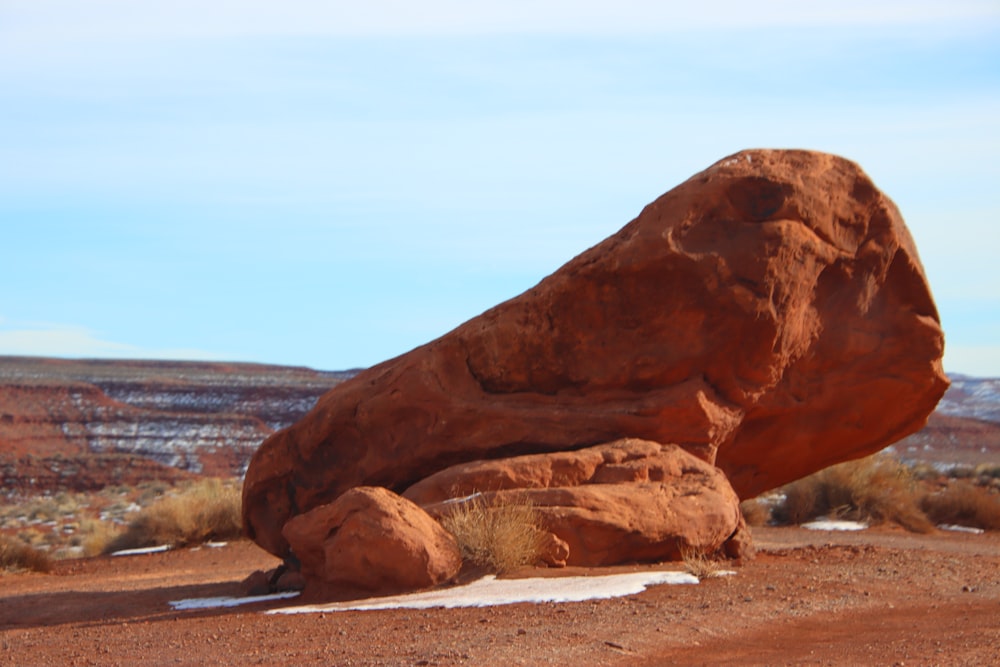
x=323, y=184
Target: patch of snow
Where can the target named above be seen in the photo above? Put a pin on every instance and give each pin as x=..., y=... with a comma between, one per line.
x=834, y=524
x=960, y=529
x=721, y=573
x=212, y=603
x=452, y=501
x=490, y=591
x=772, y=499
x=141, y=552
x=978, y=398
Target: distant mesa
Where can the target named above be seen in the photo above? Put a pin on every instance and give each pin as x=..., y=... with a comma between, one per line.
x=81, y=425
x=765, y=319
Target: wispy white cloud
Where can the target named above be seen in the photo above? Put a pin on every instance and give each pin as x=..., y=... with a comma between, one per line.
x=58, y=340
x=188, y=18
x=191, y=156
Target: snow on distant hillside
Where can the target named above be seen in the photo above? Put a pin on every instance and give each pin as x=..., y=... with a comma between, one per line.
x=974, y=398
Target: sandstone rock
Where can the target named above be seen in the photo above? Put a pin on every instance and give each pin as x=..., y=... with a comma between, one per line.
x=630, y=500
x=369, y=538
x=769, y=315
x=257, y=582
x=289, y=580
x=625, y=460
x=553, y=551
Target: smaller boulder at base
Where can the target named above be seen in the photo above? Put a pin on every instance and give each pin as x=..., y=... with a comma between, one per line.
x=625, y=501
x=373, y=540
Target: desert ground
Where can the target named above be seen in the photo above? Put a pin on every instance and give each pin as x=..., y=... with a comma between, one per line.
x=876, y=597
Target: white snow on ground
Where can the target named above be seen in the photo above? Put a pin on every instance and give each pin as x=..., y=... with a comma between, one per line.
x=211, y=603
x=486, y=592
x=834, y=524
x=210, y=545
x=490, y=591
x=141, y=552
x=960, y=529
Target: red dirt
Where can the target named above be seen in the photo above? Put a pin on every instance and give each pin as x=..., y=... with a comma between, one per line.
x=879, y=597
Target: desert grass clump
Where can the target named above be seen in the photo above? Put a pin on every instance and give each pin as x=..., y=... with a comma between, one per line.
x=501, y=533
x=964, y=504
x=16, y=556
x=755, y=513
x=94, y=536
x=877, y=489
x=204, y=511
x=988, y=471
x=699, y=563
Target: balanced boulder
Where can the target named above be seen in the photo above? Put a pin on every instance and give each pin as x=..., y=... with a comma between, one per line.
x=770, y=315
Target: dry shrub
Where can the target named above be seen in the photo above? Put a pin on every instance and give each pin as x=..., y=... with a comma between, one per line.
x=95, y=536
x=16, y=556
x=500, y=534
x=964, y=504
x=923, y=471
x=755, y=513
x=699, y=563
x=877, y=488
x=961, y=471
x=33, y=537
x=800, y=503
x=986, y=471
x=207, y=510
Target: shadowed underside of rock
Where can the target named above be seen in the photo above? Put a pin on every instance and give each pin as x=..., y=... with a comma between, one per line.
x=769, y=315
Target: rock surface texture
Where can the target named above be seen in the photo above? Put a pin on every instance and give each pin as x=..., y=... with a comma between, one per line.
x=770, y=315
x=371, y=539
x=630, y=500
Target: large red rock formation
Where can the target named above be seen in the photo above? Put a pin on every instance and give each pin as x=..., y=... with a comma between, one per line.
x=769, y=315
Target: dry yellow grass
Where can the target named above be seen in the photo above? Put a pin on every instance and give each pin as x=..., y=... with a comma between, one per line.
x=964, y=504
x=699, y=563
x=207, y=510
x=16, y=556
x=500, y=534
x=877, y=488
x=94, y=536
x=755, y=513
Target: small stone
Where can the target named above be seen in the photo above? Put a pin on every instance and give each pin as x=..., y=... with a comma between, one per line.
x=257, y=583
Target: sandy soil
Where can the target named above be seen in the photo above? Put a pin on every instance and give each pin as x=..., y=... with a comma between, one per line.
x=876, y=598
